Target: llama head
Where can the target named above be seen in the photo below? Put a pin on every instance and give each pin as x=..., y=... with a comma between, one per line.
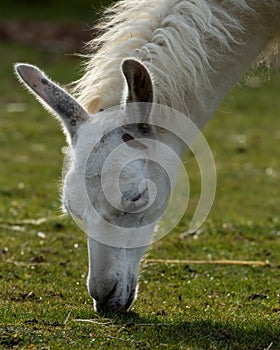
x=114, y=186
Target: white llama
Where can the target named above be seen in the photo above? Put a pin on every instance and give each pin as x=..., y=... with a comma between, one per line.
x=185, y=54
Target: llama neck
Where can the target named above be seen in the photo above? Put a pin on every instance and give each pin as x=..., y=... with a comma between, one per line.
x=229, y=68
x=187, y=46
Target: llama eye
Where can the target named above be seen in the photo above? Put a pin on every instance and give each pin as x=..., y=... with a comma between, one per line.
x=131, y=142
x=127, y=137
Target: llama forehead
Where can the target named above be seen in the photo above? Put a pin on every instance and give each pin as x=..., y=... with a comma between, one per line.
x=95, y=141
x=94, y=132
x=112, y=153
x=101, y=124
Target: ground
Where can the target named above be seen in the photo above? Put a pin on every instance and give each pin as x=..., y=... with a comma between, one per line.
x=43, y=264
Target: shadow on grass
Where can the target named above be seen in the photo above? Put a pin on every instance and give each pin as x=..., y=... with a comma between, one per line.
x=203, y=334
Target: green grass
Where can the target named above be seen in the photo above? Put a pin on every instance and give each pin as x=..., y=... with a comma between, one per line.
x=43, y=267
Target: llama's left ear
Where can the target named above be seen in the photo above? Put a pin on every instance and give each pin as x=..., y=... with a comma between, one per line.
x=52, y=96
x=139, y=82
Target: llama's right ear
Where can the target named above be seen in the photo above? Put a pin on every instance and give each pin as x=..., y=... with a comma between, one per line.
x=139, y=90
x=53, y=97
x=139, y=81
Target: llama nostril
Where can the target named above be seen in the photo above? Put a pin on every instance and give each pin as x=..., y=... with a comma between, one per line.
x=131, y=197
x=132, y=202
x=135, y=199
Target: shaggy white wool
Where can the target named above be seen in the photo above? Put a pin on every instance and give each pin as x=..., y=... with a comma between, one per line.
x=177, y=40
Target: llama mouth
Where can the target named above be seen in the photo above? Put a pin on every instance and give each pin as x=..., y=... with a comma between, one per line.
x=113, y=302
x=115, y=306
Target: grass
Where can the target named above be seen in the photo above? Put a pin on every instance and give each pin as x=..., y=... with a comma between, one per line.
x=43, y=267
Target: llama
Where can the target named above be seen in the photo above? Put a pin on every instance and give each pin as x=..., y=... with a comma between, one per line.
x=184, y=54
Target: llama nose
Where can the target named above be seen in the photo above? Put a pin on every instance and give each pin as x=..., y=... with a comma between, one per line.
x=135, y=200
x=132, y=196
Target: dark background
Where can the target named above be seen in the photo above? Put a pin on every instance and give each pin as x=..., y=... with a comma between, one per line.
x=57, y=26
x=51, y=9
